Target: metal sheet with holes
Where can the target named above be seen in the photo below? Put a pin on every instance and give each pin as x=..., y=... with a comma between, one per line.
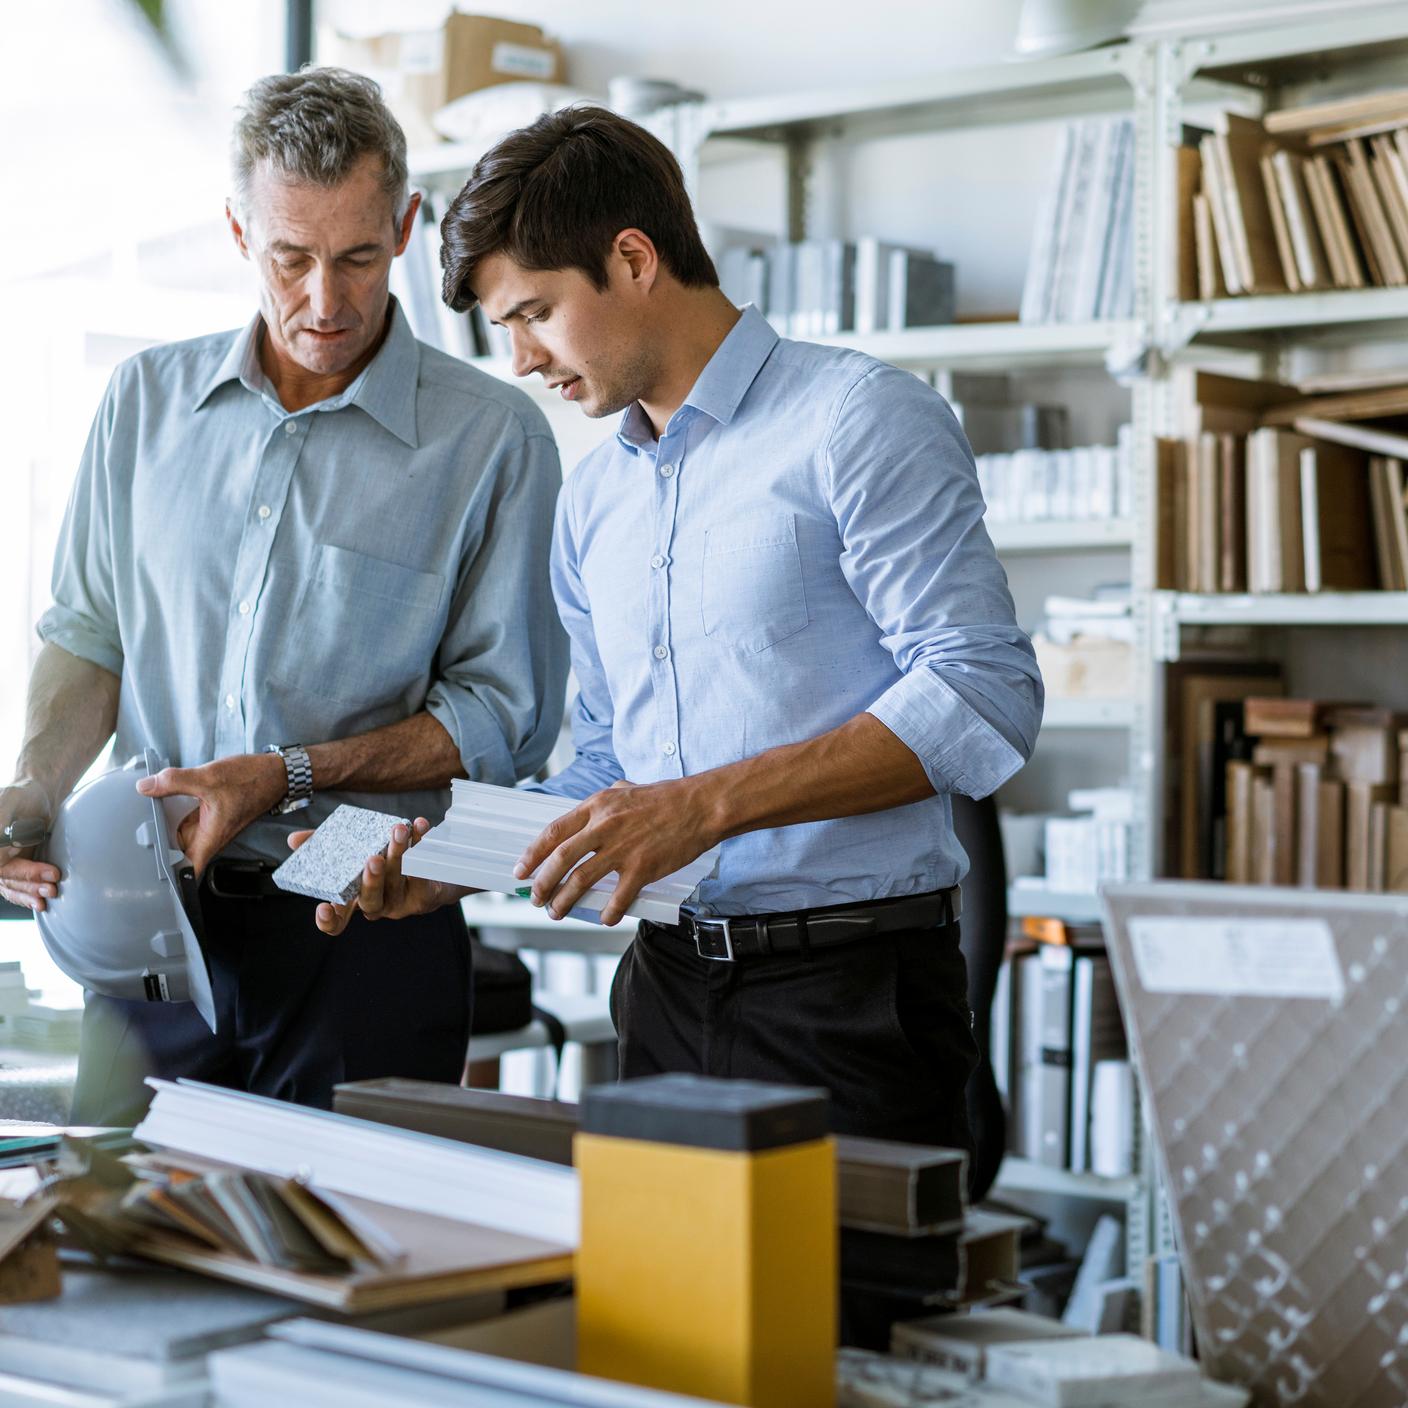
x=1282, y=1124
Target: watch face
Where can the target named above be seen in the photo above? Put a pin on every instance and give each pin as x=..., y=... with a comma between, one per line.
x=296, y=805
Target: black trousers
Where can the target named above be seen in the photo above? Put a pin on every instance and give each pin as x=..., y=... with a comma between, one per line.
x=882, y=1024
x=298, y=1011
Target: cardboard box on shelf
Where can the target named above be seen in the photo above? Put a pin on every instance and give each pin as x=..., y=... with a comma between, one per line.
x=422, y=70
x=1087, y=668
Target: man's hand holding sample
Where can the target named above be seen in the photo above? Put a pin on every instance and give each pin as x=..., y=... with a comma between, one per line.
x=644, y=832
x=386, y=893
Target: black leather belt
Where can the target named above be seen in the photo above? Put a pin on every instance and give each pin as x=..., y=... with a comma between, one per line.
x=759, y=935
x=242, y=880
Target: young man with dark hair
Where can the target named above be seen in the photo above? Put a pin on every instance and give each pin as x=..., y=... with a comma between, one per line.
x=791, y=635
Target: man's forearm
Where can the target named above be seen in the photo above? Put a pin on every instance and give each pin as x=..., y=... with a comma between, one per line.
x=859, y=767
x=414, y=755
x=70, y=714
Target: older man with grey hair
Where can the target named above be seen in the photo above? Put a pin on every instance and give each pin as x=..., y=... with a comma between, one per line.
x=307, y=563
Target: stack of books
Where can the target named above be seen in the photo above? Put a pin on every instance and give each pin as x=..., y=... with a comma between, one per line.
x=1088, y=849
x=1306, y=198
x=1082, y=258
x=1059, y=485
x=1055, y=1018
x=822, y=287
x=46, y=1029
x=1318, y=802
x=1203, y=706
x=1274, y=790
x=993, y=415
x=1278, y=488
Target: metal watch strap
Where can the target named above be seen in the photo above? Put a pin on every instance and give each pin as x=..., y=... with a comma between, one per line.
x=299, y=770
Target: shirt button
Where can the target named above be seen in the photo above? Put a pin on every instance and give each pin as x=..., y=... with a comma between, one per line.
x=229, y=701
x=669, y=750
x=661, y=652
x=666, y=470
x=264, y=510
x=657, y=561
x=244, y=608
x=290, y=427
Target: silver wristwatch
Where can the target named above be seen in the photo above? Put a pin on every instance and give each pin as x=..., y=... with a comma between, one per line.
x=300, y=777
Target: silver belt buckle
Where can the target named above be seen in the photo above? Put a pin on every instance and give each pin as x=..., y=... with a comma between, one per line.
x=722, y=924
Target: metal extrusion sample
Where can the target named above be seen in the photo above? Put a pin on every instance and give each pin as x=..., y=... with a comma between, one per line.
x=486, y=830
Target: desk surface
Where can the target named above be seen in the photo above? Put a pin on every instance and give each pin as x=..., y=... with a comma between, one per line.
x=505, y=921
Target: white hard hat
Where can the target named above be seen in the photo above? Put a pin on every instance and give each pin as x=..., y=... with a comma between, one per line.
x=127, y=915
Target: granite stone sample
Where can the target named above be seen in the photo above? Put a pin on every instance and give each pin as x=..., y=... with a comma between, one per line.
x=328, y=865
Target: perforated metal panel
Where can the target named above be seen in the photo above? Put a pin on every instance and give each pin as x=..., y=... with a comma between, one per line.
x=1282, y=1123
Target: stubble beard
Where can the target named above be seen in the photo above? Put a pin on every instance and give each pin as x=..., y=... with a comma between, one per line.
x=629, y=381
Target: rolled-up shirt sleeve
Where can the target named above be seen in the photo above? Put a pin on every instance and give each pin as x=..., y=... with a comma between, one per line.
x=502, y=664
x=83, y=617
x=905, y=494
x=594, y=765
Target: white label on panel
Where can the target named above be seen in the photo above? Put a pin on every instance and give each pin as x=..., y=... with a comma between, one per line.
x=1232, y=956
x=522, y=61
x=422, y=51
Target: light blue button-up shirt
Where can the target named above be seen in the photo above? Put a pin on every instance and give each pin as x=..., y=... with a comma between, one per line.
x=257, y=577
x=804, y=543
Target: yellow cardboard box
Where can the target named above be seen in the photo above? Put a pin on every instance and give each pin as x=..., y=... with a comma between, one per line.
x=705, y=1270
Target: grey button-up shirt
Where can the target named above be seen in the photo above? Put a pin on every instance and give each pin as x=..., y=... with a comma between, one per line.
x=804, y=542
x=257, y=577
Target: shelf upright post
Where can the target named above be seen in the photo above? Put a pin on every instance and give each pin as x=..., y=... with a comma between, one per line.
x=1143, y=740
x=801, y=154
x=1145, y=735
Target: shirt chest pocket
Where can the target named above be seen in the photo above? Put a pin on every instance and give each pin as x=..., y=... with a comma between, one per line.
x=365, y=629
x=753, y=594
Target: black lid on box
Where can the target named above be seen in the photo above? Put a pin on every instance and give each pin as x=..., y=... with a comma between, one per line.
x=707, y=1112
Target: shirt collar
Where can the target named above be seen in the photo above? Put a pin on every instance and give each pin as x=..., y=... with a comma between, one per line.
x=722, y=385
x=384, y=388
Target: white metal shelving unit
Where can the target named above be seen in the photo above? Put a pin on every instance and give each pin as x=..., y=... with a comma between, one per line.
x=1271, y=66
x=1078, y=535
x=1024, y=900
x=1155, y=81
x=1088, y=713
x=1173, y=611
x=1003, y=346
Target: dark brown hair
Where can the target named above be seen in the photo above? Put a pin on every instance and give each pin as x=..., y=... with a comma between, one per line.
x=555, y=195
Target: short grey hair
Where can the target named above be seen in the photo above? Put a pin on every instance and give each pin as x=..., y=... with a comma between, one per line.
x=315, y=126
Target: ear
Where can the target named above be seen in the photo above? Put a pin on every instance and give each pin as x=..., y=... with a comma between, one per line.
x=236, y=229
x=408, y=223
x=634, y=255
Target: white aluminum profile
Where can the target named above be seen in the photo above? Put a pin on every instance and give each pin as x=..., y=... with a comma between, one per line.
x=486, y=830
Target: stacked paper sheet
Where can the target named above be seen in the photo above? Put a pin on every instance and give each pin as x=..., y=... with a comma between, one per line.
x=1095, y=1372
x=486, y=830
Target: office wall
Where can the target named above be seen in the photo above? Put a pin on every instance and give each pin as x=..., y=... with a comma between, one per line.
x=733, y=48
x=976, y=191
